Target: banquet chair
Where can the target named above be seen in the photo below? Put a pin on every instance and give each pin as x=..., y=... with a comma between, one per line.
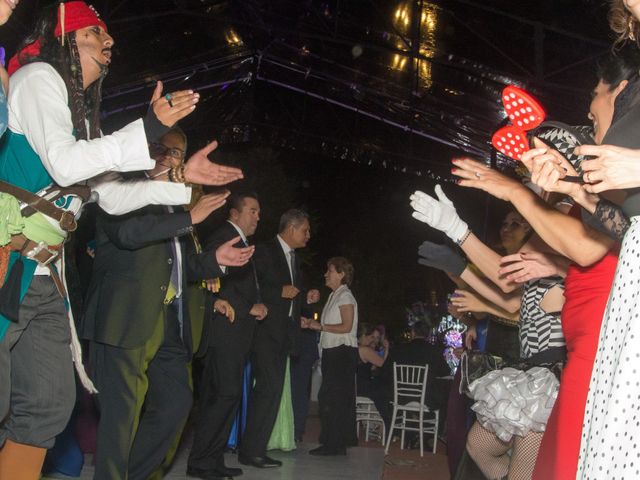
x=409, y=409
x=368, y=416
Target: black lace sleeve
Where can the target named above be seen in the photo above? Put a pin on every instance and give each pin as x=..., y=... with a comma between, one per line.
x=608, y=219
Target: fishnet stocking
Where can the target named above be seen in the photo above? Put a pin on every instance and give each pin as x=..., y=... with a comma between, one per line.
x=523, y=456
x=491, y=454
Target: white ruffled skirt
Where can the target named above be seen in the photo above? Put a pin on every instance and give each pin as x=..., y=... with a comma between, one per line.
x=514, y=402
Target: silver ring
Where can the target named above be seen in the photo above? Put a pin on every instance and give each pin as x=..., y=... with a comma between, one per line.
x=477, y=174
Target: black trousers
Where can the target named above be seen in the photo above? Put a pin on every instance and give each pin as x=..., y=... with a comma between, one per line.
x=144, y=400
x=221, y=389
x=268, y=365
x=378, y=392
x=337, y=396
x=301, y=379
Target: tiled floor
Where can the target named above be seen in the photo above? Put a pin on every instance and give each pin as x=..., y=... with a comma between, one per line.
x=361, y=463
x=365, y=462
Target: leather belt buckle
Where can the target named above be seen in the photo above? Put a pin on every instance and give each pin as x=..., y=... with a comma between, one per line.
x=36, y=254
x=68, y=222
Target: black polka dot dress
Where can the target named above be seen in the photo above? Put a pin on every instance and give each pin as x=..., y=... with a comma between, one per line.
x=610, y=444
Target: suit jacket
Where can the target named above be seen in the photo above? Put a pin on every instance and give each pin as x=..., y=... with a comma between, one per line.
x=238, y=287
x=418, y=352
x=131, y=274
x=273, y=274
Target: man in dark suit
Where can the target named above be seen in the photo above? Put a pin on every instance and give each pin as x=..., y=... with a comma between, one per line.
x=420, y=352
x=280, y=281
x=139, y=329
x=227, y=347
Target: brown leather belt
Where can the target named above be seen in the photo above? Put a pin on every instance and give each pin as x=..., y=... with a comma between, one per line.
x=44, y=254
x=36, y=203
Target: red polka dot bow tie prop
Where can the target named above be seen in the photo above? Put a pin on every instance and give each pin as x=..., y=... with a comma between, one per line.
x=525, y=114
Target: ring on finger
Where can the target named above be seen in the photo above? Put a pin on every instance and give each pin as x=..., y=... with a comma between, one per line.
x=169, y=97
x=586, y=177
x=477, y=174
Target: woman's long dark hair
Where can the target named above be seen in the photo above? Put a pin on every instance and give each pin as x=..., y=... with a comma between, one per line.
x=622, y=63
x=84, y=105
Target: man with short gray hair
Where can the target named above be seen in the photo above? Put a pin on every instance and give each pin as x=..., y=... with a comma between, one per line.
x=279, y=277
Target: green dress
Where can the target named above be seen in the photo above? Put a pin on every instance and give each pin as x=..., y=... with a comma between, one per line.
x=282, y=435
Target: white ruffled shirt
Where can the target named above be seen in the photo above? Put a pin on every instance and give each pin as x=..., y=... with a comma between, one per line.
x=331, y=316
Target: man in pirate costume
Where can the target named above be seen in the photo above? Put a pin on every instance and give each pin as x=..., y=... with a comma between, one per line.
x=54, y=139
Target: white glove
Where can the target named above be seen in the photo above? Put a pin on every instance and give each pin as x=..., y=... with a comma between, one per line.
x=439, y=214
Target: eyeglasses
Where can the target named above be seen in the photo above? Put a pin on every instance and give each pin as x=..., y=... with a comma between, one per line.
x=160, y=150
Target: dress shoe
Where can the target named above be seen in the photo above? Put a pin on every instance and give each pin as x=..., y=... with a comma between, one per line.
x=203, y=474
x=223, y=471
x=260, y=462
x=325, y=451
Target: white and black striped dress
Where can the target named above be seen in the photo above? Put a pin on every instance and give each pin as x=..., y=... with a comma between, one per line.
x=511, y=401
x=539, y=330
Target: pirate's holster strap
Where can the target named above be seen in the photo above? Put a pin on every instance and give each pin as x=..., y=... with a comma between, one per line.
x=36, y=203
x=44, y=254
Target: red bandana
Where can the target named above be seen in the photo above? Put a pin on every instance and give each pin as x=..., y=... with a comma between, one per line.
x=72, y=16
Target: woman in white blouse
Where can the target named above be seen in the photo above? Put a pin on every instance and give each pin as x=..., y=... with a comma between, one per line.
x=339, y=342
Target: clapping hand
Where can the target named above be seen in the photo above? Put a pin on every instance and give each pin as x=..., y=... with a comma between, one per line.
x=229, y=256
x=182, y=104
x=206, y=204
x=200, y=170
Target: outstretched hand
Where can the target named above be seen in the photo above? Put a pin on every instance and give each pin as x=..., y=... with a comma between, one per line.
x=229, y=256
x=207, y=204
x=182, y=104
x=441, y=257
x=439, y=214
x=524, y=266
x=466, y=301
x=478, y=175
x=200, y=170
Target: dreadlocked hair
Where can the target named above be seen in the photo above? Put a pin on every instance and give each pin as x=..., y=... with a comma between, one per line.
x=84, y=104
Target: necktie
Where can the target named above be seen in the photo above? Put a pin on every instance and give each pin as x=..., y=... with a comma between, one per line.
x=175, y=289
x=174, y=280
x=255, y=275
x=294, y=267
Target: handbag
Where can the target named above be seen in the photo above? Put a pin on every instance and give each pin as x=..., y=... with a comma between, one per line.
x=474, y=364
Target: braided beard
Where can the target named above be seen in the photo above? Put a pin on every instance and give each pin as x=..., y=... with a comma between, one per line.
x=104, y=68
x=84, y=107
x=76, y=90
